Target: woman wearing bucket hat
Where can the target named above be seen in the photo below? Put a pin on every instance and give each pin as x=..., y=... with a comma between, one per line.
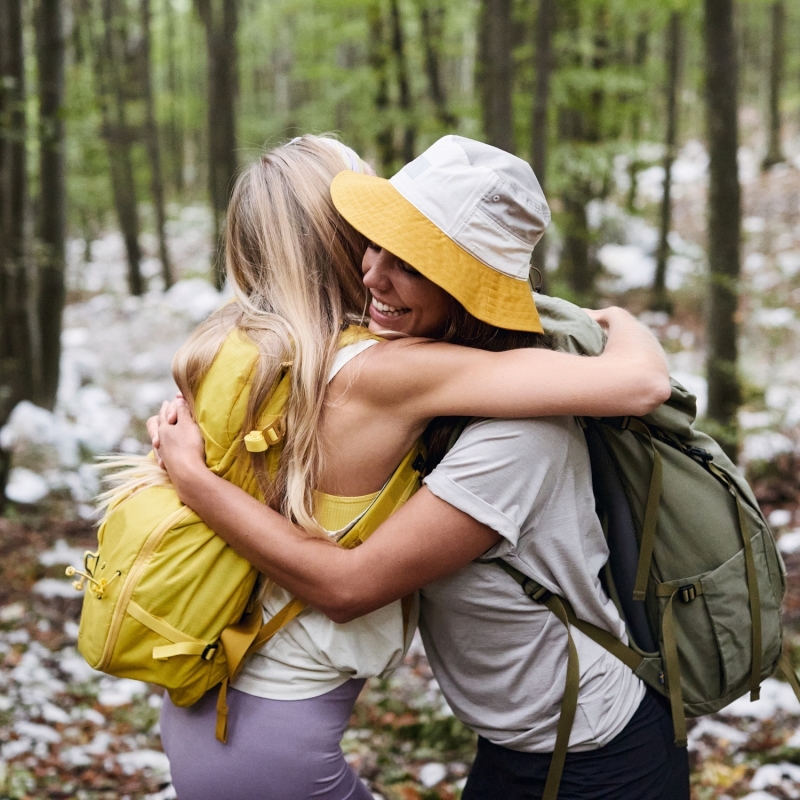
x=500, y=481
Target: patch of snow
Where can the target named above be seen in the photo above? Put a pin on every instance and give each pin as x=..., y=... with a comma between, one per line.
x=753, y=224
x=100, y=424
x=765, y=446
x=13, y=612
x=760, y=796
x=749, y=420
x=718, y=730
x=144, y=759
x=52, y=713
x=194, y=297
x=432, y=773
x=93, y=715
x=774, y=317
x=75, y=666
x=61, y=553
x=780, y=517
x=100, y=744
x=629, y=266
x=75, y=756
x=71, y=629
x=770, y=775
x=119, y=691
x=170, y=794
x=15, y=748
x=789, y=542
x=789, y=263
x=697, y=385
x=36, y=732
x=691, y=165
x=25, y=486
x=775, y=696
x=53, y=587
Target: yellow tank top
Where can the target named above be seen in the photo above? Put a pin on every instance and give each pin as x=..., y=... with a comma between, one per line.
x=337, y=513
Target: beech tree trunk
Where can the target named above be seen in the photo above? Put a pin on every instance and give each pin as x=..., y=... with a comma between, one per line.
x=776, y=63
x=545, y=22
x=724, y=223
x=52, y=196
x=674, y=37
x=495, y=73
x=398, y=47
x=221, y=18
x=153, y=148
x=431, y=17
x=16, y=361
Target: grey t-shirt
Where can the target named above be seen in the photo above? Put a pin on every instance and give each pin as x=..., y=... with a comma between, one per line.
x=500, y=658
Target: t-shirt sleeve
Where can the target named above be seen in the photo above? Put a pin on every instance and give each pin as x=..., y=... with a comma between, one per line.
x=502, y=472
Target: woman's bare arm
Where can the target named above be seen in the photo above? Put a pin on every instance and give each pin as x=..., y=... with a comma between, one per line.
x=422, y=379
x=425, y=540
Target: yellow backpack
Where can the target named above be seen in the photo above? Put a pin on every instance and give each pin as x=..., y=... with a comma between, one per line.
x=168, y=601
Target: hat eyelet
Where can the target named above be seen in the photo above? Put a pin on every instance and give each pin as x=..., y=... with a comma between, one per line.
x=496, y=198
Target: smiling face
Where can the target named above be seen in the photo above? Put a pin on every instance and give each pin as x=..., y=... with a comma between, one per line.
x=403, y=299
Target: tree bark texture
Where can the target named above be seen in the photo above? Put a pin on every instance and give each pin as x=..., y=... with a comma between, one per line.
x=673, y=51
x=404, y=90
x=496, y=73
x=175, y=128
x=52, y=195
x=379, y=63
x=110, y=60
x=153, y=147
x=220, y=18
x=431, y=17
x=545, y=22
x=776, y=68
x=639, y=60
x=16, y=362
x=724, y=223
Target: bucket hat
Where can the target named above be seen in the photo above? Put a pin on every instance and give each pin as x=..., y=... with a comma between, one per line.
x=466, y=215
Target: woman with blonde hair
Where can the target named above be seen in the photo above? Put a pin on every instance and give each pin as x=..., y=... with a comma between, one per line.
x=352, y=416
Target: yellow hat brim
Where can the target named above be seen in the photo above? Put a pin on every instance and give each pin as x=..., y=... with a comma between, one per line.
x=376, y=209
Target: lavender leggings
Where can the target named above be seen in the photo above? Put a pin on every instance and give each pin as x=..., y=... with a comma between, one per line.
x=276, y=750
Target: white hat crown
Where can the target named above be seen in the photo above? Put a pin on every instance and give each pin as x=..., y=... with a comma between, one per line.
x=487, y=201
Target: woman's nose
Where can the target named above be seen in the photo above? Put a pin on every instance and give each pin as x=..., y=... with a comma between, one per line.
x=377, y=275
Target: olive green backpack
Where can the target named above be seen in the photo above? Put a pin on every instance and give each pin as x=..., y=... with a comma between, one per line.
x=693, y=566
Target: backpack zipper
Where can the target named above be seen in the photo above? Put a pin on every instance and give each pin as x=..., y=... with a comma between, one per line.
x=133, y=577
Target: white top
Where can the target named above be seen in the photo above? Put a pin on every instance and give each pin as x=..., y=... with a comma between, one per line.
x=499, y=657
x=313, y=655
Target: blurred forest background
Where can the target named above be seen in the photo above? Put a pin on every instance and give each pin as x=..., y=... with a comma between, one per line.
x=666, y=136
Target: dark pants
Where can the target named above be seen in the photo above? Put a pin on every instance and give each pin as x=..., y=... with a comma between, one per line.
x=640, y=763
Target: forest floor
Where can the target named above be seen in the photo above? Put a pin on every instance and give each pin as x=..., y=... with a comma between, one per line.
x=67, y=731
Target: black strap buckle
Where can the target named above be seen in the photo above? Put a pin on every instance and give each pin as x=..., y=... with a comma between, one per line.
x=687, y=593
x=419, y=463
x=210, y=651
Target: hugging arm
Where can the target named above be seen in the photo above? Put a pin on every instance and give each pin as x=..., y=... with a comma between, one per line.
x=429, y=379
x=425, y=540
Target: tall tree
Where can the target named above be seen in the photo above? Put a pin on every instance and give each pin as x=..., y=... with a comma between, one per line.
x=673, y=51
x=639, y=61
x=724, y=222
x=776, y=64
x=16, y=362
x=431, y=17
x=545, y=22
x=52, y=195
x=153, y=146
x=404, y=89
x=110, y=65
x=495, y=73
x=175, y=126
x=379, y=63
x=221, y=19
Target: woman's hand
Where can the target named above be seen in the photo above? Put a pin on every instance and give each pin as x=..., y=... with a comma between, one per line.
x=178, y=442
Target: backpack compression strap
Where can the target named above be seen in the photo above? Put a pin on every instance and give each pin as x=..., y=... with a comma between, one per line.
x=563, y=610
x=249, y=635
